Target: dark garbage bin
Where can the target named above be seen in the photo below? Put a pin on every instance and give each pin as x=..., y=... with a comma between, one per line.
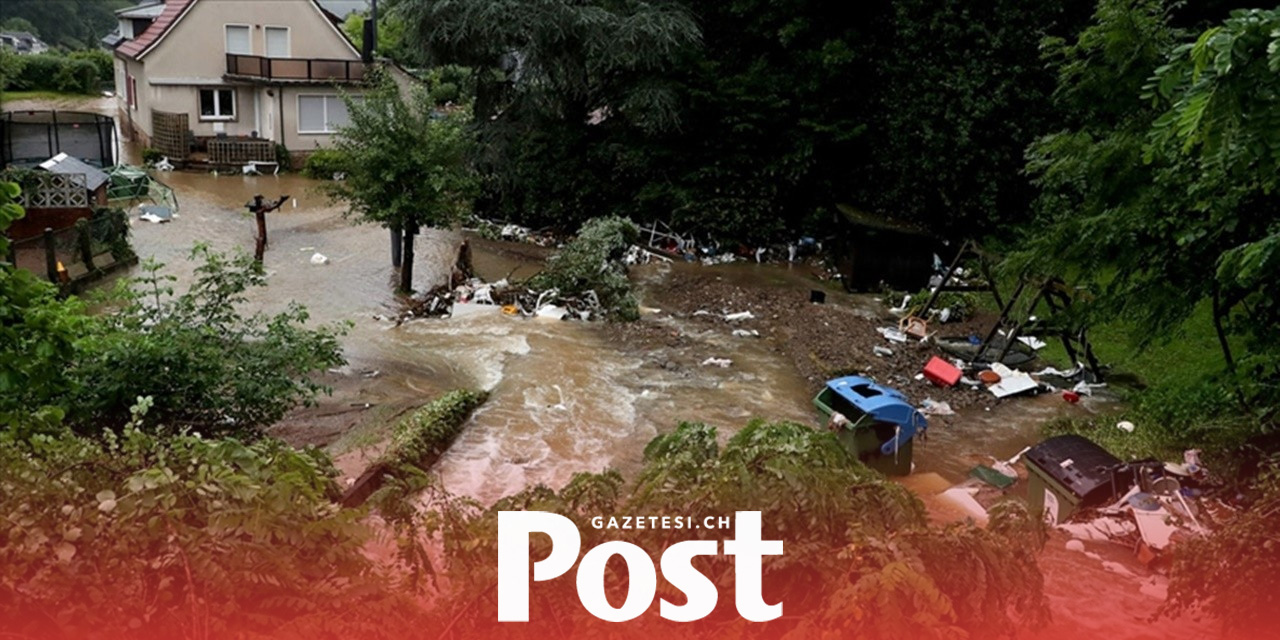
x=1069, y=473
x=881, y=423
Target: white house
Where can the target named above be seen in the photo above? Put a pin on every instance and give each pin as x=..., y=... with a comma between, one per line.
x=242, y=70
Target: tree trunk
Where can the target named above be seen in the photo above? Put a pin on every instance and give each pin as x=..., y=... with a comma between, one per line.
x=406, y=265
x=260, y=247
x=1218, y=313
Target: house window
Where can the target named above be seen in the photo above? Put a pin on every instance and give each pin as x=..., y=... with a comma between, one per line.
x=322, y=114
x=277, y=42
x=131, y=87
x=238, y=40
x=217, y=104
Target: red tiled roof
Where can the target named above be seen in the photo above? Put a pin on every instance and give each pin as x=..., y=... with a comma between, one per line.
x=173, y=9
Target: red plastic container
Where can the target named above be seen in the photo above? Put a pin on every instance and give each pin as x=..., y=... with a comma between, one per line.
x=1071, y=397
x=941, y=372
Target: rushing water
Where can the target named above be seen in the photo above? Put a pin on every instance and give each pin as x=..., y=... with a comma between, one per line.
x=564, y=398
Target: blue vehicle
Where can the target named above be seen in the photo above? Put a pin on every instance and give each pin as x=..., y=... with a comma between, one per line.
x=874, y=422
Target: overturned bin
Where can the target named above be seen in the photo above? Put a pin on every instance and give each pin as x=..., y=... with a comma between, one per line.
x=1069, y=473
x=874, y=422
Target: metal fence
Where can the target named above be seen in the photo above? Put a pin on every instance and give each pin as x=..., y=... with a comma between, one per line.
x=28, y=138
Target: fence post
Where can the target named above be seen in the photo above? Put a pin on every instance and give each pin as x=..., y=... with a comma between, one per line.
x=85, y=242
x=50, y=256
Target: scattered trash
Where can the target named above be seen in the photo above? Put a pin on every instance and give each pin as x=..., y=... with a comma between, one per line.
x=701, y=312
x=892, y=335
x=962, y=497
x=1012, y=382
x=882, y=351
x=941, y=372
x=988, y=377
x=992, y=477
x=745, y=333
x=1033, y=342
x=931, y=407
x=1050, y=371
x=155, y=213
x=164, y=164
x=551, y=312
x=717, y=362
x=899, y=310
x=1125, y=426
x=1075, y=545
x=319, y=258
x=741, y=315
x=1071, y=397
x=914, y=327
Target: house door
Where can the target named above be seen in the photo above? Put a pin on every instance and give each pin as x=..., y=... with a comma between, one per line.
x=269, y=116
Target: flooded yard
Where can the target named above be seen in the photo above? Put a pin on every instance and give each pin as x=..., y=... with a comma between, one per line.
x=570, y=396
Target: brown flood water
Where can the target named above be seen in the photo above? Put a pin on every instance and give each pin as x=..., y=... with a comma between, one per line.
x=564, y=396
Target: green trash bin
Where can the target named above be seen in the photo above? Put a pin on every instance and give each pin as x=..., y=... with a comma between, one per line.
x=882, y=424
x=1069, y=473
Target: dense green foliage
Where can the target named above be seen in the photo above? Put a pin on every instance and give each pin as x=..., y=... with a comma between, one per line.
x=420, y=439
x=324, y=164
x=861, y=560
x=405, y=162
x=745, y=119
x=592, y=263
x=1162, y=197
x=79, y=72
x=180, y=536
x=69, y=24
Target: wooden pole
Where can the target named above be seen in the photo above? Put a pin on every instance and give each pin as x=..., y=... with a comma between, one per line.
x=84, y=242
x=50, y=256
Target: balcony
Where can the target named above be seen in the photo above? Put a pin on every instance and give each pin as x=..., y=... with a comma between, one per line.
x=294, y=70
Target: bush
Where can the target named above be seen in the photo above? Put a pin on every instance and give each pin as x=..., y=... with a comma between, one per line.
x=444, y=92
x=151, y=156
x=82, y=73
x=323, y=164
x=101, y=61
x=593, y=262
x=210, y=367
x=424, y=436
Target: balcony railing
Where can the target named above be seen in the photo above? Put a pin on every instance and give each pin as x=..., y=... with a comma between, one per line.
x=295, y=69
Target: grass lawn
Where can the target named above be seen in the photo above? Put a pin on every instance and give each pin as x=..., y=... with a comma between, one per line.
x=44, y=96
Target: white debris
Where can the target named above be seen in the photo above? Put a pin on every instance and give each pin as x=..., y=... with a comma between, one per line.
x=892, y=335
x=882, y=351
x=1031, y=341
x=744, y=333
x=899, y=310
x=717, y=362
x=484, y=295
x=551, y=312
x=1075, y=545
x=1125, y=426
x=931, y=407
x=1012, y=381
x=741, y=315
x=1118, y=569
x=319, y=258
x=701, y=312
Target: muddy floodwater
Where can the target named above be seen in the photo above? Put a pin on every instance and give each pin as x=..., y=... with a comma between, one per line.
x=570, y=396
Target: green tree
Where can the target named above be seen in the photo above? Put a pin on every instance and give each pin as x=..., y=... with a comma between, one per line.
x=407, y=165
x=1169, y=203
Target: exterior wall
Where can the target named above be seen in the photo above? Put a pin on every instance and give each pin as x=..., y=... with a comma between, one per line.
x=171, y=74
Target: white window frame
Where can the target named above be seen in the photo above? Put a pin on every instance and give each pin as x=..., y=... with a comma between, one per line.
x=226, y=31
x=217, y=105
x=298, y=113
x=288, y=40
